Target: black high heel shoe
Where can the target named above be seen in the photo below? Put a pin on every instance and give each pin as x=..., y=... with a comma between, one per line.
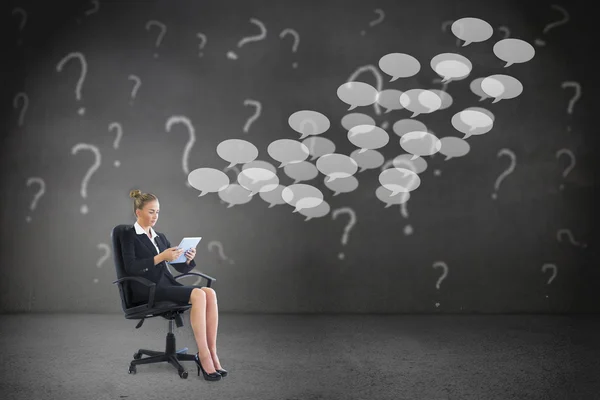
x=223, y=372
x=215, y=376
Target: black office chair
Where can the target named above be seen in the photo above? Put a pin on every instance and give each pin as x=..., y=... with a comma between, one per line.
x=150, y=309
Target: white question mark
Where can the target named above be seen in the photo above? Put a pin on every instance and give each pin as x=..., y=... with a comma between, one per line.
x=39, y=181
x=21, y=95
x=180, y=119
x=349, y=225
x=93, y=168
x=104, y=258
x=219, y=245
x=441, y=264
x=508, y=171
x=408, y=229
x=204, y=39
x=91, y=10
x=258, y=106
x=292, y=32
x=554, y=270
x=570, y=167
x=540, y=42
x=369, y=68
x=505, y=30
x=577, y=95
x=19, y=10
x=137, y=85
x=119, y=128
x=163, y=30
x=83, y=62
x=569, y=234
x=376, y=21
x=263, y=34
x=445, y=26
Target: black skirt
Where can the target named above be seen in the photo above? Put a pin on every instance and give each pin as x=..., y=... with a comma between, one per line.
x=166, y=290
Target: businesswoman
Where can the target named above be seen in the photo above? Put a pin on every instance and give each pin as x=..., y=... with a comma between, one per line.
x=145, y=253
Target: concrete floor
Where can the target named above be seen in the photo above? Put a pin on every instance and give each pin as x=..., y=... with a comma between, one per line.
x=289, y=357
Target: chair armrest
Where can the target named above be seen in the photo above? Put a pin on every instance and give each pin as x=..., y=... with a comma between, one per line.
x=209, y=279
x=143, y=281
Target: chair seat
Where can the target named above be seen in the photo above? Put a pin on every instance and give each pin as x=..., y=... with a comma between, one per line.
x=160, y=309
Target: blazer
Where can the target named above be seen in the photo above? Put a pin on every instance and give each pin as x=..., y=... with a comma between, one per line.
x=138, y=253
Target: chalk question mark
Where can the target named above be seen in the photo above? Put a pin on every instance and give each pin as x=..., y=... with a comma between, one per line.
x=82, y=60
x=219, y=245
x=19, y=10
x=103, y=258
x=296, y=37
x=445, y=26
x=91, y=11
x=203, y=39
x=258, y=109
x=569, y=234
x=98, y=161
x=564, y=20
x=23, y=96
x=509, y=170
x=571, y=165
x=39, y=181
x=263, y=34
x=137, y=85
x=577, y=95
x=349, y=225
x=408, y=229
x=379, y=19
x=179, y=119
x=441, y=264
x=369, y=68
x=119, y=128
x=554, y=272
x=163, y=30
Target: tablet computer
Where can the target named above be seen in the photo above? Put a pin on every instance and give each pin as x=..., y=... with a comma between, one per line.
x=186, y=244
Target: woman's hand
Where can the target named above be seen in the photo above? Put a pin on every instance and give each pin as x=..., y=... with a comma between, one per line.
x=190, y=254
x=172, y=253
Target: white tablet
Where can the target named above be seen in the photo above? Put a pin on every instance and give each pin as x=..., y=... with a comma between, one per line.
x=186, y=244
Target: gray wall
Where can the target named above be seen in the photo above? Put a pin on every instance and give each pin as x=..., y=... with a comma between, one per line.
x=494, y=250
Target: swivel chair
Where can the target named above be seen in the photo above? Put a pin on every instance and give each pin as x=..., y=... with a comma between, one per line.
x=150, y=309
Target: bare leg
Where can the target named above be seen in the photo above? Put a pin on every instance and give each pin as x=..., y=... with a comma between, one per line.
x=212, y=324
x=198, y=321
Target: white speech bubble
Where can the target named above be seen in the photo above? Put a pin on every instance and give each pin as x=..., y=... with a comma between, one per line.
x=287, y=151
x=399, y=65
x=208, y=180
x=357, y=94
x=308, y=122
x=237, y=151
x=451, y=66
x=513, y=51
x=472, y=30
x=368, y=137
x=420, y=143
x=501, y=87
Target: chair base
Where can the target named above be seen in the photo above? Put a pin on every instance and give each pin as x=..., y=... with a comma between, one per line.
x=169, y=355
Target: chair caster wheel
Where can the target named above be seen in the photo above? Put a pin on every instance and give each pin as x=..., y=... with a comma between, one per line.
x=137, y=355
x=132, y=369
x=183, y=374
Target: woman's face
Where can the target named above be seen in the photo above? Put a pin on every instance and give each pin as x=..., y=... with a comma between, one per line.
x=149, y=215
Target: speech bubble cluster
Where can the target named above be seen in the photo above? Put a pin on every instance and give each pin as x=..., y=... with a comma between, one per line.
x=303, y=159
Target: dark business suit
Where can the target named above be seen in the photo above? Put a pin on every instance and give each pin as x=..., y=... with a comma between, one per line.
x=138, y=258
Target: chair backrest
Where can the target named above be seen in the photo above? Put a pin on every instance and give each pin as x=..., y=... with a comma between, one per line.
x=125, y=288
